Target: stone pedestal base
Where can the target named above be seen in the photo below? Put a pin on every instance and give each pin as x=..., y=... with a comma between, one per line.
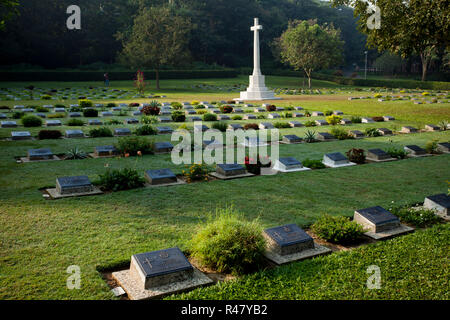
x=257, y=90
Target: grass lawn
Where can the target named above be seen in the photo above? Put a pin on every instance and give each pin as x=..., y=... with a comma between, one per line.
x=39, y=239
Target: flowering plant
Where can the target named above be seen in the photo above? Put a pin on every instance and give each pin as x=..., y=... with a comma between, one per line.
x=140, y=82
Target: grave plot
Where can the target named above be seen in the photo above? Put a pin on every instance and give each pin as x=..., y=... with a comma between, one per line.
x=230, y=171
x=439, y=203
x=162, y=178
x=380, y=223
x=444, y=147
x=336, y=160
x=291, y=139
x=289, y=164
x=325, y=136
x=409, y=129
x=159, y=273
x=290, y=243
x=252, y=142
x=163, y=147
x=384, y=131
x=74, y=134
x=416, y=151
x=76, y=186
x=356, y=134
x=21, y=135
x=104, y=152
x=378, y=155
x=35, y=155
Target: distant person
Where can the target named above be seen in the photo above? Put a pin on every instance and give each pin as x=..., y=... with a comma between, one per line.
x=106, y=76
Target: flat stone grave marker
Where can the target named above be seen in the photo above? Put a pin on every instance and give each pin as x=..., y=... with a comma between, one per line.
x=195, y=119
x=159, y=273
x=378, y=155
x=200, y=127
x=325, y=136
x=19, y=107
x=338, y=113
x=254, y=142
x=164, y=119
x=292, y=139
x=317, y=114
x=40, y=154
x=106, y=114
x=297, y=115
x=227, y=171
x=41, y=115
x=444, y=147
x=259, y=110
x=249, y=117
x=237, y=110
x=163, y=147
x=105, y=151
x=122, y=131
x=356, y=134
x=73, y=185
x=116, y=109
x=223, y=117
x=408, y=129
x=280, y=109
x=384, y=131
x=216, y=111
x=59, y=110
x=440, y=203
x=321, y=123
x=336, y=160
x=188, y=107
x=131, y=121
x=164, y=130
x=388, y=118
x=266, y=125
x=298, y=108
x=28, y=110
x=20, y=135
x=136, y=113
x=346, y=122
x=432, y=127
x=160, y=176
x=380, y=223
x=3, y=116
x=95, y=122
x=290, y=243
x=74, y=114
x=289, y=164
x=415, y=151
x=8, y=124
x=234, y=126
x=367, y=120
x=295, y=124
x=191, y=111
x=53, y=123
x=74, y=134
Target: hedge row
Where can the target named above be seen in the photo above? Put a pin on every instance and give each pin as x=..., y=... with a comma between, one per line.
x=113, y=76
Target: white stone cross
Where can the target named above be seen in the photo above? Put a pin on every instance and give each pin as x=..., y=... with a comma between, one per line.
x=256, y=59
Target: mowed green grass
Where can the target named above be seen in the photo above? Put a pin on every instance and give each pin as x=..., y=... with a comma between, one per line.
x=39, y=239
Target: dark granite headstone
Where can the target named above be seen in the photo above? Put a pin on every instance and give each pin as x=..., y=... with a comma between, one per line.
x=163, y=147
x=8, y=124
x=439, y=203
x=77, y=184
x=53, y=123
x=75, y=114
x=325, y=136
x=288, y=239
x=415, y=150
x=377, y=154
x=20, y=135
x=289, y=163
x=95, y=122
x=74, y=134
x=234, y=126
x=164, y=130
x=295, y=124
x=229, y=170
x=223, y=117
x=161, y=267
x=160, y=176
x=292, y=138
x=39, y=154
x=273, y=116
x=357, y=134
x=377, y=219
x=321, y=122
x=266, y=125
x=122, y=131
x=104, y=151
x=131, y=121
x=444, y=147
x=335, y=159
x=409, y=129
x=384, y=131
x=200, y=127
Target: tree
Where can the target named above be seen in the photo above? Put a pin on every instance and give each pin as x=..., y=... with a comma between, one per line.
x=158, y=38
x=406, y=27
x=307, y=46
x=8, y=8
x=389, y=63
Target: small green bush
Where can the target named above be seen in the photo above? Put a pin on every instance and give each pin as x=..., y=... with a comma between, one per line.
x=18, y=115
x=84, y=103
x=75, y=123
x=333, y=119
x=145, y=130
x=372, y=132
x=340, y=133
x=417, y=216
x=260, y=116
x=337, y=229
x=101, y=132
x=42, y=109
x=249, y=126
x=178, y=116
x=310, y=124
x=120, y=179
x=149, y=119
x=176, y=105
x=313, y=164
x=356, y=155
x=56, y=116
x=49, y=134
x=396, y=153
x=236, y=117
x=209, y=117
x=356, y=119
x=281, y=125
x=310, y=136
x=112, y=122
x=221, y=126
x=432, y=146
x=228, y=243
x=90, y=113
x=132, y=145
x=31, y=121
x=111, y=105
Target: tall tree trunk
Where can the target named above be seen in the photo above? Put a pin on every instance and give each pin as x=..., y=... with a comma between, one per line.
x=157, y=79
x=424, y=66
x=308, y=73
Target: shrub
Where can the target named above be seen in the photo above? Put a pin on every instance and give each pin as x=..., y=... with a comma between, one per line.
x=310, y=124
x=112, y=122
x=281, y=125
x=194, y=103
x=287, y=115
x=42, y=109
x=372, y=132
x=397, y=153
x=334, y=119
x=49, y=134
x=201, y=111
x=310, y=136
x=31, y=121
x=356, y=156
x=133, y=104
x=84, y=103
x=18, y=115
x=416, y=216
x=178, y=116
x=76, y=109
x=313, y=164
x=378, y=119
x=271, y=108
x=75, y=123
x=340, y=133
x=56, y=115
x=260, y=116
x=149, y=119
x=328, y=112
x=199, y=106
x=176, y=105
x=236, y=117
x=120, y=179
x=75, y=154
x=249, y=126
x=145, y=130
x=221, y=126
x=111, y=105
x=226, y=109
x=46, y=97
x=150, y=110
x=228, y=243
x=338, y=229
x=196, y=172
x=307, y=113
x=209, y=117
x=101, y=132
x=132, y=145
x=5, y=108
x=431, y=147
x=90, y=113
x=356, y=119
